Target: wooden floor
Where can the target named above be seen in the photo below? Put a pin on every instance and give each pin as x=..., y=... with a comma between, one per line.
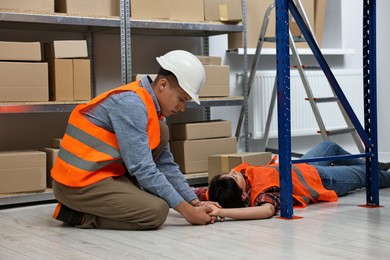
x=327, y=231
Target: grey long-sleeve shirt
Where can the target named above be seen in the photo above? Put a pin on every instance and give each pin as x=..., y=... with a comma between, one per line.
x=125, y=115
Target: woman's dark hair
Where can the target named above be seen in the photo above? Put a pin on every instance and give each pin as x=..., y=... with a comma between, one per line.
x=226, y=192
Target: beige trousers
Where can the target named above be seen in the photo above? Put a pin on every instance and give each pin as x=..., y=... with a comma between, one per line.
x=116, y=203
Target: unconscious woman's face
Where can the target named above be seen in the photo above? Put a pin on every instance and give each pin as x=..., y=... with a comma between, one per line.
x=237, y=177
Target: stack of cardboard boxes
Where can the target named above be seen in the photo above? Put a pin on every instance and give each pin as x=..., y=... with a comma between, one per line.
x=217, y=82
x=27, y=170
x=88, y=7
x=72, y=7
x=22, y=171
x=70, y=70
x=39, y=6
x=192, y=143
x=188, y=10
x=315, y=12
x=23, y=77
x=178, y=10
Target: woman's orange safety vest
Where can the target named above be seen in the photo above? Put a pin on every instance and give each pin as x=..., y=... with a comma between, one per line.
x=90, y=153
x=307, y=184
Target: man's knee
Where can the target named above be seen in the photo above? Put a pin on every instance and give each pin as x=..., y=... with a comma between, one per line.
x=157, y=216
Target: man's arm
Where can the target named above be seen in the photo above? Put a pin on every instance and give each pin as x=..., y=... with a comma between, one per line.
x=129, y=120
x=166, y=164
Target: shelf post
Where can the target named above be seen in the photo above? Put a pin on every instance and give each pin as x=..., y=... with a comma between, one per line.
x=284, y=115
x=125, y=39
x=370, y=100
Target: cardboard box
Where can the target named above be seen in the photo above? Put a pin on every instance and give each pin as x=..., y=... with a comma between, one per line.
x=61, y=80
x=88, y=7
x=186, y=10
x=217, y=81
x=319, y=19
x=66, y=49
x=201, y=130
x=192, y=155
x=46, y=6
x=223, y=10
x=22, y=171
x=210, y=60
x=223, y=163
x=150, y=9
x=82, y=79
x=135, y=77
x=255, y=15
x=20, y=51
x=51, y=156
x=70, y=79
x=24, y=81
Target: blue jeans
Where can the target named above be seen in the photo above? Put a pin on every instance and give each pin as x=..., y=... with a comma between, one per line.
x=342, y=176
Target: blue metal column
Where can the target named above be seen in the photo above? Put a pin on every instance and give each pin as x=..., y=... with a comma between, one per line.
x=284, y=115
x=370, y=100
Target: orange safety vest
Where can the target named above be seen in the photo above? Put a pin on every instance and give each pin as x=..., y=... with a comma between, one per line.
x=307, y=184
x=90, y=153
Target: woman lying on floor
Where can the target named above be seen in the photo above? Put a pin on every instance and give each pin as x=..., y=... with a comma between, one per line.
x=252, y=192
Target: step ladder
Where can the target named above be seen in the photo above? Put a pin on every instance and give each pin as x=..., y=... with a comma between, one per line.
x=325, y=133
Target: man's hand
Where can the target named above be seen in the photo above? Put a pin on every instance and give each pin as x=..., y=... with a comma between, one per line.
x=196, y=215
x=198, y=203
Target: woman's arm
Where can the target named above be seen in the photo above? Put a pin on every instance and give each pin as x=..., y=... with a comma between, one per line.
x=265, y=210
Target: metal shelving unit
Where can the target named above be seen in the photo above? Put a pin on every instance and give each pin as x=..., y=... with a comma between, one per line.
x=368, y=134
x=68, y=106
x=57, y=21
x=124, y=26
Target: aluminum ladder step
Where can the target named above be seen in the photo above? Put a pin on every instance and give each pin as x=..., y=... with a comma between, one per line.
x=308, y=67
x=324, y=99
x=273, y=39
x=339, y=131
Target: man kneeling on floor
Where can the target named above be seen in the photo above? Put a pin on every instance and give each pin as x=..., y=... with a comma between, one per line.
x=114, y=169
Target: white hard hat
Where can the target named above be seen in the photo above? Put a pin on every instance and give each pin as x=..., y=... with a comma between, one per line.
x=188, y=70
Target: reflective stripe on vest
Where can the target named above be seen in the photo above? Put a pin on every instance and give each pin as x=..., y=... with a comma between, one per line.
x=313, y=193
x=90, y=153
x=77, y=162
x=91, y=141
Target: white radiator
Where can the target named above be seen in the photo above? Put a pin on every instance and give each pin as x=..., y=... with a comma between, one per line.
x=302, y=118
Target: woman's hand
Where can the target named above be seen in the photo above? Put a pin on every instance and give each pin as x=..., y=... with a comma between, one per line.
x=216, y=210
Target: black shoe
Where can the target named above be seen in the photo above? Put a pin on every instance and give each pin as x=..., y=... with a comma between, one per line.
x=67, y=215
x=383, y=166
